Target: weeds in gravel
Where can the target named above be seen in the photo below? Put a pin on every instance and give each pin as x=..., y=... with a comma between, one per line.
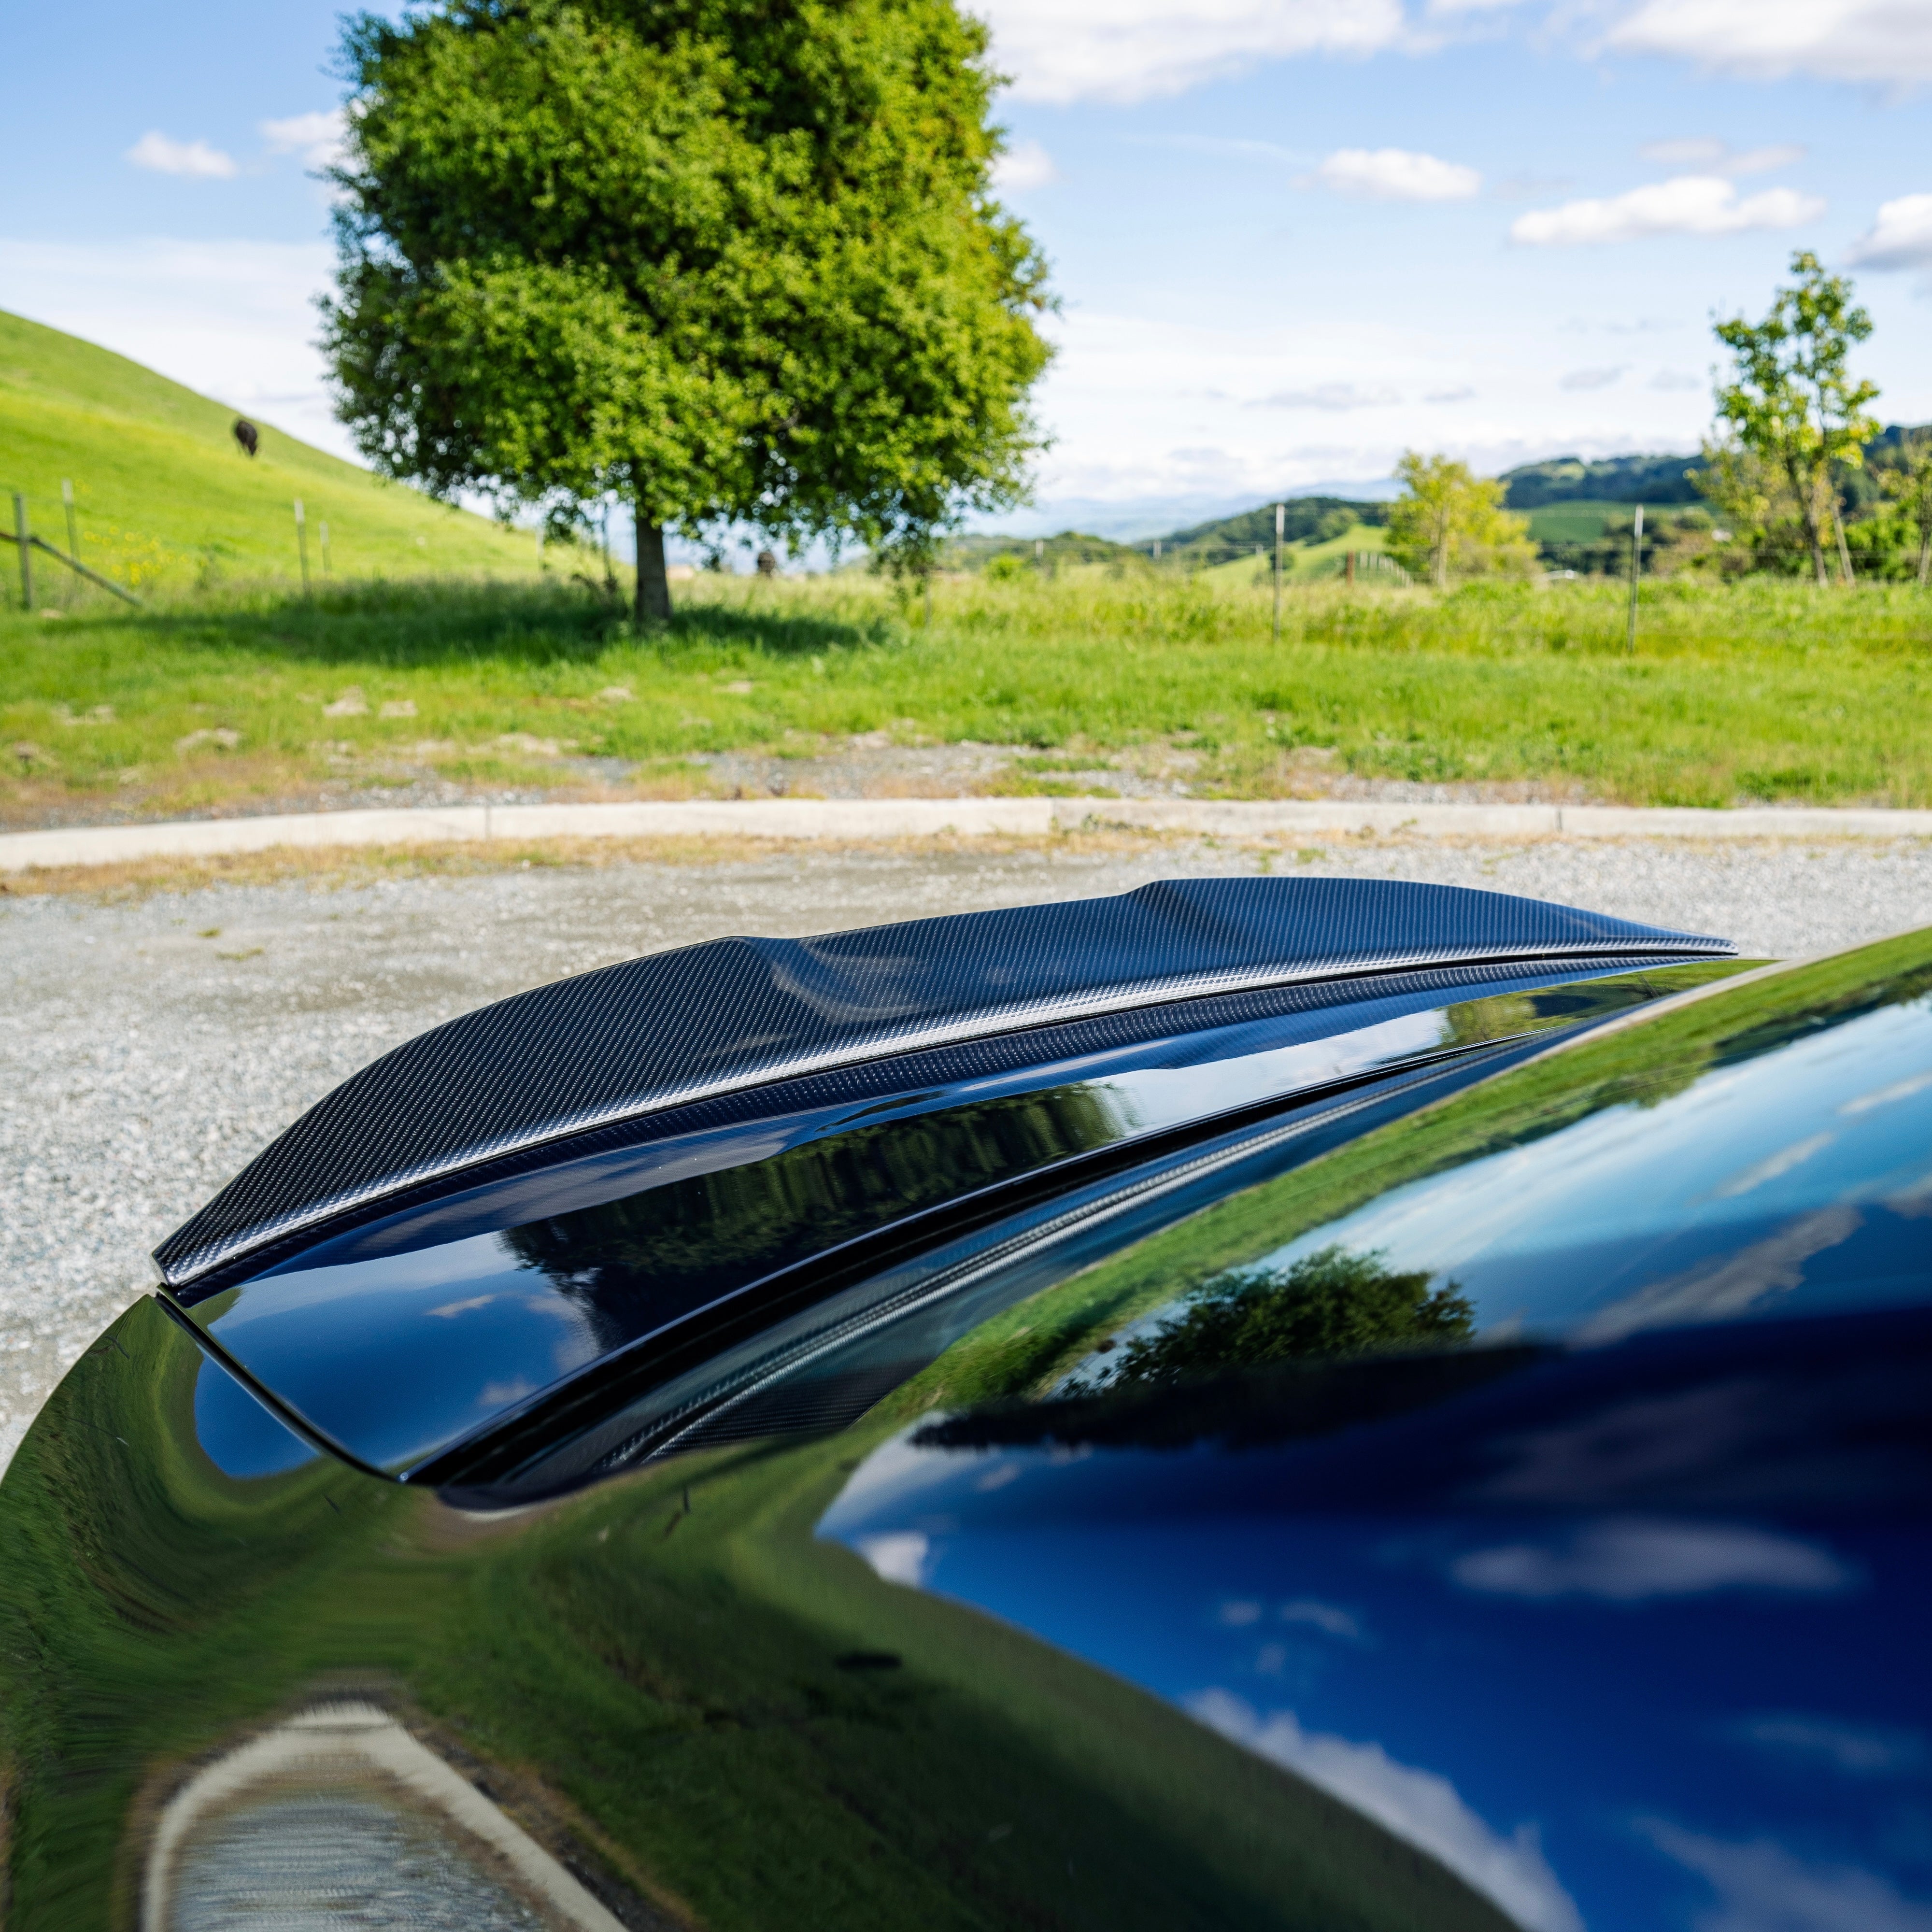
x=1756, y=691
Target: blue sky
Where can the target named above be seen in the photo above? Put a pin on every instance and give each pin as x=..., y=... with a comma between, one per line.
x=1292, y=237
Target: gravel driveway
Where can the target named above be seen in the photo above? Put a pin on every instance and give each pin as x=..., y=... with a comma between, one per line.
x=147, y=1050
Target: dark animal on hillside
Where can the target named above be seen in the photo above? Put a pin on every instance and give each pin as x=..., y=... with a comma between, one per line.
x=248, y=435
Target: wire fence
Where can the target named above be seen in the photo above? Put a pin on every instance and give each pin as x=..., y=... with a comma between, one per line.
x=1352, y=565
x=26, y=542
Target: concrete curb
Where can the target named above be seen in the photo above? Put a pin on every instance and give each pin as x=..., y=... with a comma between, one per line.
x=1259, y=817
x=859, y=819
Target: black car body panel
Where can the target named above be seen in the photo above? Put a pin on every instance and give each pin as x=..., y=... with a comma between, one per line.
x=1481, y=1482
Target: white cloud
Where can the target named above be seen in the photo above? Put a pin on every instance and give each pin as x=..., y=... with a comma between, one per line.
x=1462, y=394
x=1691, y=154
x=1726, y=1284
x=1063, y=51
x=1773, y=1166
x=1857, y=1750
x=1397, y=174
x=1333, y=396
x=1762, y=1887
x=1889, y=1095
x=900, y=1556
x=1685, y=205
x=317, y=138
x=1629, y=1561
x=1715, y=157
x=1067, y=50
x=1668, y=379
x=1025, y=165
x=154, y=150
x=1420, y=1806
x=1763, y=160
x=1329, y=1617
x=234, y=319
x=1901, y=238
x=1590, y=379
x=1889, y=42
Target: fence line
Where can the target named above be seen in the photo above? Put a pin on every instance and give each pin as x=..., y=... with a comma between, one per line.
x=74, y=563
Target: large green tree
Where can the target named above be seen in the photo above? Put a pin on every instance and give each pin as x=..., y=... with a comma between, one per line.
x=729, y=260
x=1790, y=401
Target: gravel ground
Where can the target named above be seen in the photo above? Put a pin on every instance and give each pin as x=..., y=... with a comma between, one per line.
x=147, y=1050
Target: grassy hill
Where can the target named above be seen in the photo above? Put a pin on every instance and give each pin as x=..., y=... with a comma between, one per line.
x=1306, y=561
x=1619, y=480
x=166, y=499
x=1306, y=520
x=1583, y=520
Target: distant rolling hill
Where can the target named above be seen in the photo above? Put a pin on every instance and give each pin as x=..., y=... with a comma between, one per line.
x=1304, y=520
x=1580, y=516
x=164, y=497
x=1615, y=479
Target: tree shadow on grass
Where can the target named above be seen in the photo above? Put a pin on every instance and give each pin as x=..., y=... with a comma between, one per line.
x=780, y=633
x=428, y=625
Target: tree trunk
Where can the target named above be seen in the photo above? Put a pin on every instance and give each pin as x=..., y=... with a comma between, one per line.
x=653, y=595
x=1844, y=548
x=1807, y=493
x=1924, y=551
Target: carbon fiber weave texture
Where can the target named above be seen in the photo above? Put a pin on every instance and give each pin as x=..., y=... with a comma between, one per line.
x=673, y=1028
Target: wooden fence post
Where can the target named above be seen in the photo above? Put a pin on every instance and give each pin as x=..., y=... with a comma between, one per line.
x=1637, y=553
x=1280, y=517
x=26, y=548
x=302, y=543
x=73, y=530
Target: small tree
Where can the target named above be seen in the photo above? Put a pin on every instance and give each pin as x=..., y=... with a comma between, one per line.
x=1752, y=501
x=1790, y=400
x=1452, y=520
x=737, y=260
x=1909, y=484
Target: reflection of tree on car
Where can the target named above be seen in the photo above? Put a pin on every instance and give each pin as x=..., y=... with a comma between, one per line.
x=1328, y=1303
x=681, y=1243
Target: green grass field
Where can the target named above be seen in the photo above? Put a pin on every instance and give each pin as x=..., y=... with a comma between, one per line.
x=1761, y=690
x=166, y=501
